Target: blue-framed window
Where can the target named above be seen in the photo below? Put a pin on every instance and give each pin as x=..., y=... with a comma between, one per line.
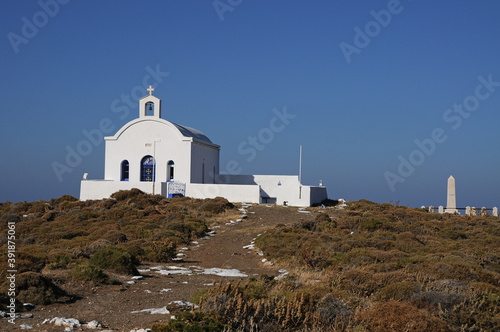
x=125, y=170
x=148, y=170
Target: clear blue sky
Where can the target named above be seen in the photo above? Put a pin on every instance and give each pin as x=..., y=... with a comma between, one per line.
x=360, y=99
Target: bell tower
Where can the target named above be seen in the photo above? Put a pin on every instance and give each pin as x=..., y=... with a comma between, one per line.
x=150, y=105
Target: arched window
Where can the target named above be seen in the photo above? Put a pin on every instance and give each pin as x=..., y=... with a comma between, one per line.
x=124, y=170
x=150, y=109
x=170, y=171
x=148, y=166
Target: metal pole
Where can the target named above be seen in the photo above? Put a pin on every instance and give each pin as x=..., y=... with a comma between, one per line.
x=300, y=173
x=154, y=165
x=300, y=165
x=154, y=157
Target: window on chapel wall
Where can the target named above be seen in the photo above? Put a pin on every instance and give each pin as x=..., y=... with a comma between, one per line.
x=170, y=171
x=148, y=166
x=125, y=171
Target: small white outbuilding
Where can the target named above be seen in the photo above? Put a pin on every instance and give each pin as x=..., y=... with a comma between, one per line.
x=161, y=157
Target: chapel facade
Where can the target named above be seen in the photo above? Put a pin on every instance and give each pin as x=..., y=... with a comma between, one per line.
x=161, y=157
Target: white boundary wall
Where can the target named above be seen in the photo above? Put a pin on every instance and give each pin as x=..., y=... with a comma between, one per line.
x=99, y=189
x=233, y=193
x=242, y=188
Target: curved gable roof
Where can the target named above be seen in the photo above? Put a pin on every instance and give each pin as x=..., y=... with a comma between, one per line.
x=183, y=131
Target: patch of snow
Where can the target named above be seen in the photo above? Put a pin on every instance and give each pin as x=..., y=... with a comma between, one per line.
x=93, y=324
x=141, y=330
x=143, y=270
x=177, y=259
x=184, y=303
x=264, y=260
x=168, y=270
x=249, y=247
x=69, y=322
x=148, y=291
x=224, y=272
x=25, y=327
x=154, y=311
x=283, y=273
x=131, y=282
x=194, y=242
x=185, y=282
x=180, y=254
x=184, y=248
x=260, y=253
x=164, y=290
x=137, y=277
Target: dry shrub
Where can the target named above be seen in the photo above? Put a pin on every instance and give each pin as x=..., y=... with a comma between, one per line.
x=401, y=290
x=60, y=259
x=122, y=195
x=216, y=206
x=32, y=287
x=244, y=313
x=330, y=310
x=400, y=316
x=114, y=236
x=29, y=261
x=96, y=245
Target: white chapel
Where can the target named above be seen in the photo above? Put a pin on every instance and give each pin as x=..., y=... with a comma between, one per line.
x=161, y=157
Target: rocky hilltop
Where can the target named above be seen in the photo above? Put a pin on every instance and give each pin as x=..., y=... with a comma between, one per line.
x=138, y=261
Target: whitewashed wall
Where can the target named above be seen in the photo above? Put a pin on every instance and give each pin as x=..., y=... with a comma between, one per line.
x=233, y=193
x=203, y=154
x=99, y=189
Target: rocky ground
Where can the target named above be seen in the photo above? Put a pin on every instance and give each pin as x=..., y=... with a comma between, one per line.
x=227, y=255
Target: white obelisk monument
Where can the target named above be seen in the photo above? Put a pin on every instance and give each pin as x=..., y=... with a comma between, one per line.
x=451, y=204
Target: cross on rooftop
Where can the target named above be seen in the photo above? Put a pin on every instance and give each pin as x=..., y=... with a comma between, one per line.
x=150, y=89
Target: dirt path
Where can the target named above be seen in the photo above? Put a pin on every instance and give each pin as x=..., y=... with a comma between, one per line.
x=119, y=308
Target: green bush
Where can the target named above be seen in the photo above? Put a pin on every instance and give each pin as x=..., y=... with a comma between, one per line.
x=115, y=259
x=161, y=251
x=190, y=322
x=372, y=224
x=89, y=272
x=59, y=259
